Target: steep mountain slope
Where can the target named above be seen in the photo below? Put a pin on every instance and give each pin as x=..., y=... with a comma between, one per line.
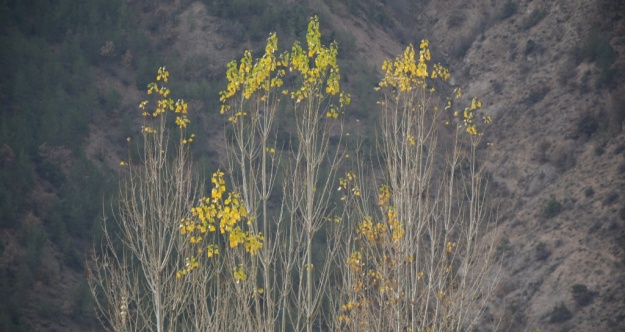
x=549, y=72
x=557, y=161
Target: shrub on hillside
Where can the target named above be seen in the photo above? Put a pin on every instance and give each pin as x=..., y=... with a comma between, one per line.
x=586, y=126
x=552, y=208
x=596, y=48
x=542, y=252
x=560, y=313
x=582, y=295
x=508, y=10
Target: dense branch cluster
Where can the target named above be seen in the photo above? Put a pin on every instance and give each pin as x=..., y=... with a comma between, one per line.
x=305, y=238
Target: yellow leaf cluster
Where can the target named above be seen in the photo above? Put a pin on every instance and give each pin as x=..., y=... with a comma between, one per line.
x=407, y=72
x=355, y=261
x=449, y=247
x=162, y=74
x=370, y=231
x=224, y=211
x=469, y=115
x=258, y=78
x=440, y=71
x=182, y=121
x=396, y=227
x=164, y=104
x=384, y=196
x=349, y=309
x=181, y=106
x=239, y=274
x=188, y=140
x=148, y=130
x=212, y=250
x=332, y=113
x=317, y=67
x=252, y=242
x=349, y=181
x=190, y=264
x=404, y=73
x=376, y=255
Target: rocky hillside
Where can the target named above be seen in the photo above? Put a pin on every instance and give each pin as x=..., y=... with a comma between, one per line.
x=552, y=78
x=550, y=74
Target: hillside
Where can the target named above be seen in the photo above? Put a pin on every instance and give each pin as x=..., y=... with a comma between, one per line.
x=557, y=161
x=550, y=73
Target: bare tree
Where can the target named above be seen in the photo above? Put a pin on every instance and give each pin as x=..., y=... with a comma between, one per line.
x=404, y=244
x=419, y=259
x=293, y=288
x=314, y=166
x=252, y=161
x=133, y=274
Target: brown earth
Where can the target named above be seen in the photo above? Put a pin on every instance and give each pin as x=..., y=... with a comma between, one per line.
x=543, y=99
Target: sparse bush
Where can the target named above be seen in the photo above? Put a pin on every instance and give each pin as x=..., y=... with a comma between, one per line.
x=621, y=213
x=552, y=208
x=587, y=126
x=619, y=149
x=596, y=48
x=530, y=46
x=508, y=10
x=497, y=86
x=536, y=95
x=560, y=313
x=589, y=192
x=582, y=295
x=565, y=159
x=611, y=198
x=542, y=252
x=541, y=152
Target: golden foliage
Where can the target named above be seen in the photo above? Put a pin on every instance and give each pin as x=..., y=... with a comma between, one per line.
x=223, y=211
